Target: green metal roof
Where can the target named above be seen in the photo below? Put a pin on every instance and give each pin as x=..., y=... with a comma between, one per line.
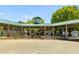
x=66, y=22
x=8, y=22
x=54, y=24
x=20, y=24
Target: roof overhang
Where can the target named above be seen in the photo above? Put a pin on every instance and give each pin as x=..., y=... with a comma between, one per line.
x=54, y=24
x=67, y=22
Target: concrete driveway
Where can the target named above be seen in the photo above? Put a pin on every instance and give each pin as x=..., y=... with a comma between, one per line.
x=37, y=46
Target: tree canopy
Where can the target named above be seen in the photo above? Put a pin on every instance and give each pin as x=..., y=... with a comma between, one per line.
x=65, y=13
x=20, y=22
x=35, y=20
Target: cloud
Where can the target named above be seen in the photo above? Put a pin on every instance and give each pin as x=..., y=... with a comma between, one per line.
x=15, y=17
x=26, y=17
x=6, y=16
x=1, y=13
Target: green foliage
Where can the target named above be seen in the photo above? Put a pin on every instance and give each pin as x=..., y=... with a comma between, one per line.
x=65, y=13
x=1, y=28
x=30, y=22
x=34, y=19
x=20, y=22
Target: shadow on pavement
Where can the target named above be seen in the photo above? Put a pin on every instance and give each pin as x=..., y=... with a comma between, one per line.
x=64, y=39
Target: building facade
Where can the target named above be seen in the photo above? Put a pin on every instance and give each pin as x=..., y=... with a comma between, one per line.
x=57, y=30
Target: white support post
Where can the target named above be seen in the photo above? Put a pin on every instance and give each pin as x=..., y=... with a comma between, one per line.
x=53, y=30
x=44, y=31
x=66, y=31
x=8, y=30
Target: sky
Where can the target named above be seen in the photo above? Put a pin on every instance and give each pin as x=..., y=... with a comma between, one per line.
x=27, y=12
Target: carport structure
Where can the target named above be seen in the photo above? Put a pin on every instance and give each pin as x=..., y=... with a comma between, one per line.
x=16, y=29
x=67, y=27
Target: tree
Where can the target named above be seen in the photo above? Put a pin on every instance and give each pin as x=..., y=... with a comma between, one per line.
x=29, y=22
x=20, y=22
x=35, y=20
x=65, y=13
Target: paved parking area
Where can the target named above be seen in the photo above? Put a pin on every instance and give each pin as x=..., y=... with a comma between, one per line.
x=37, y=46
